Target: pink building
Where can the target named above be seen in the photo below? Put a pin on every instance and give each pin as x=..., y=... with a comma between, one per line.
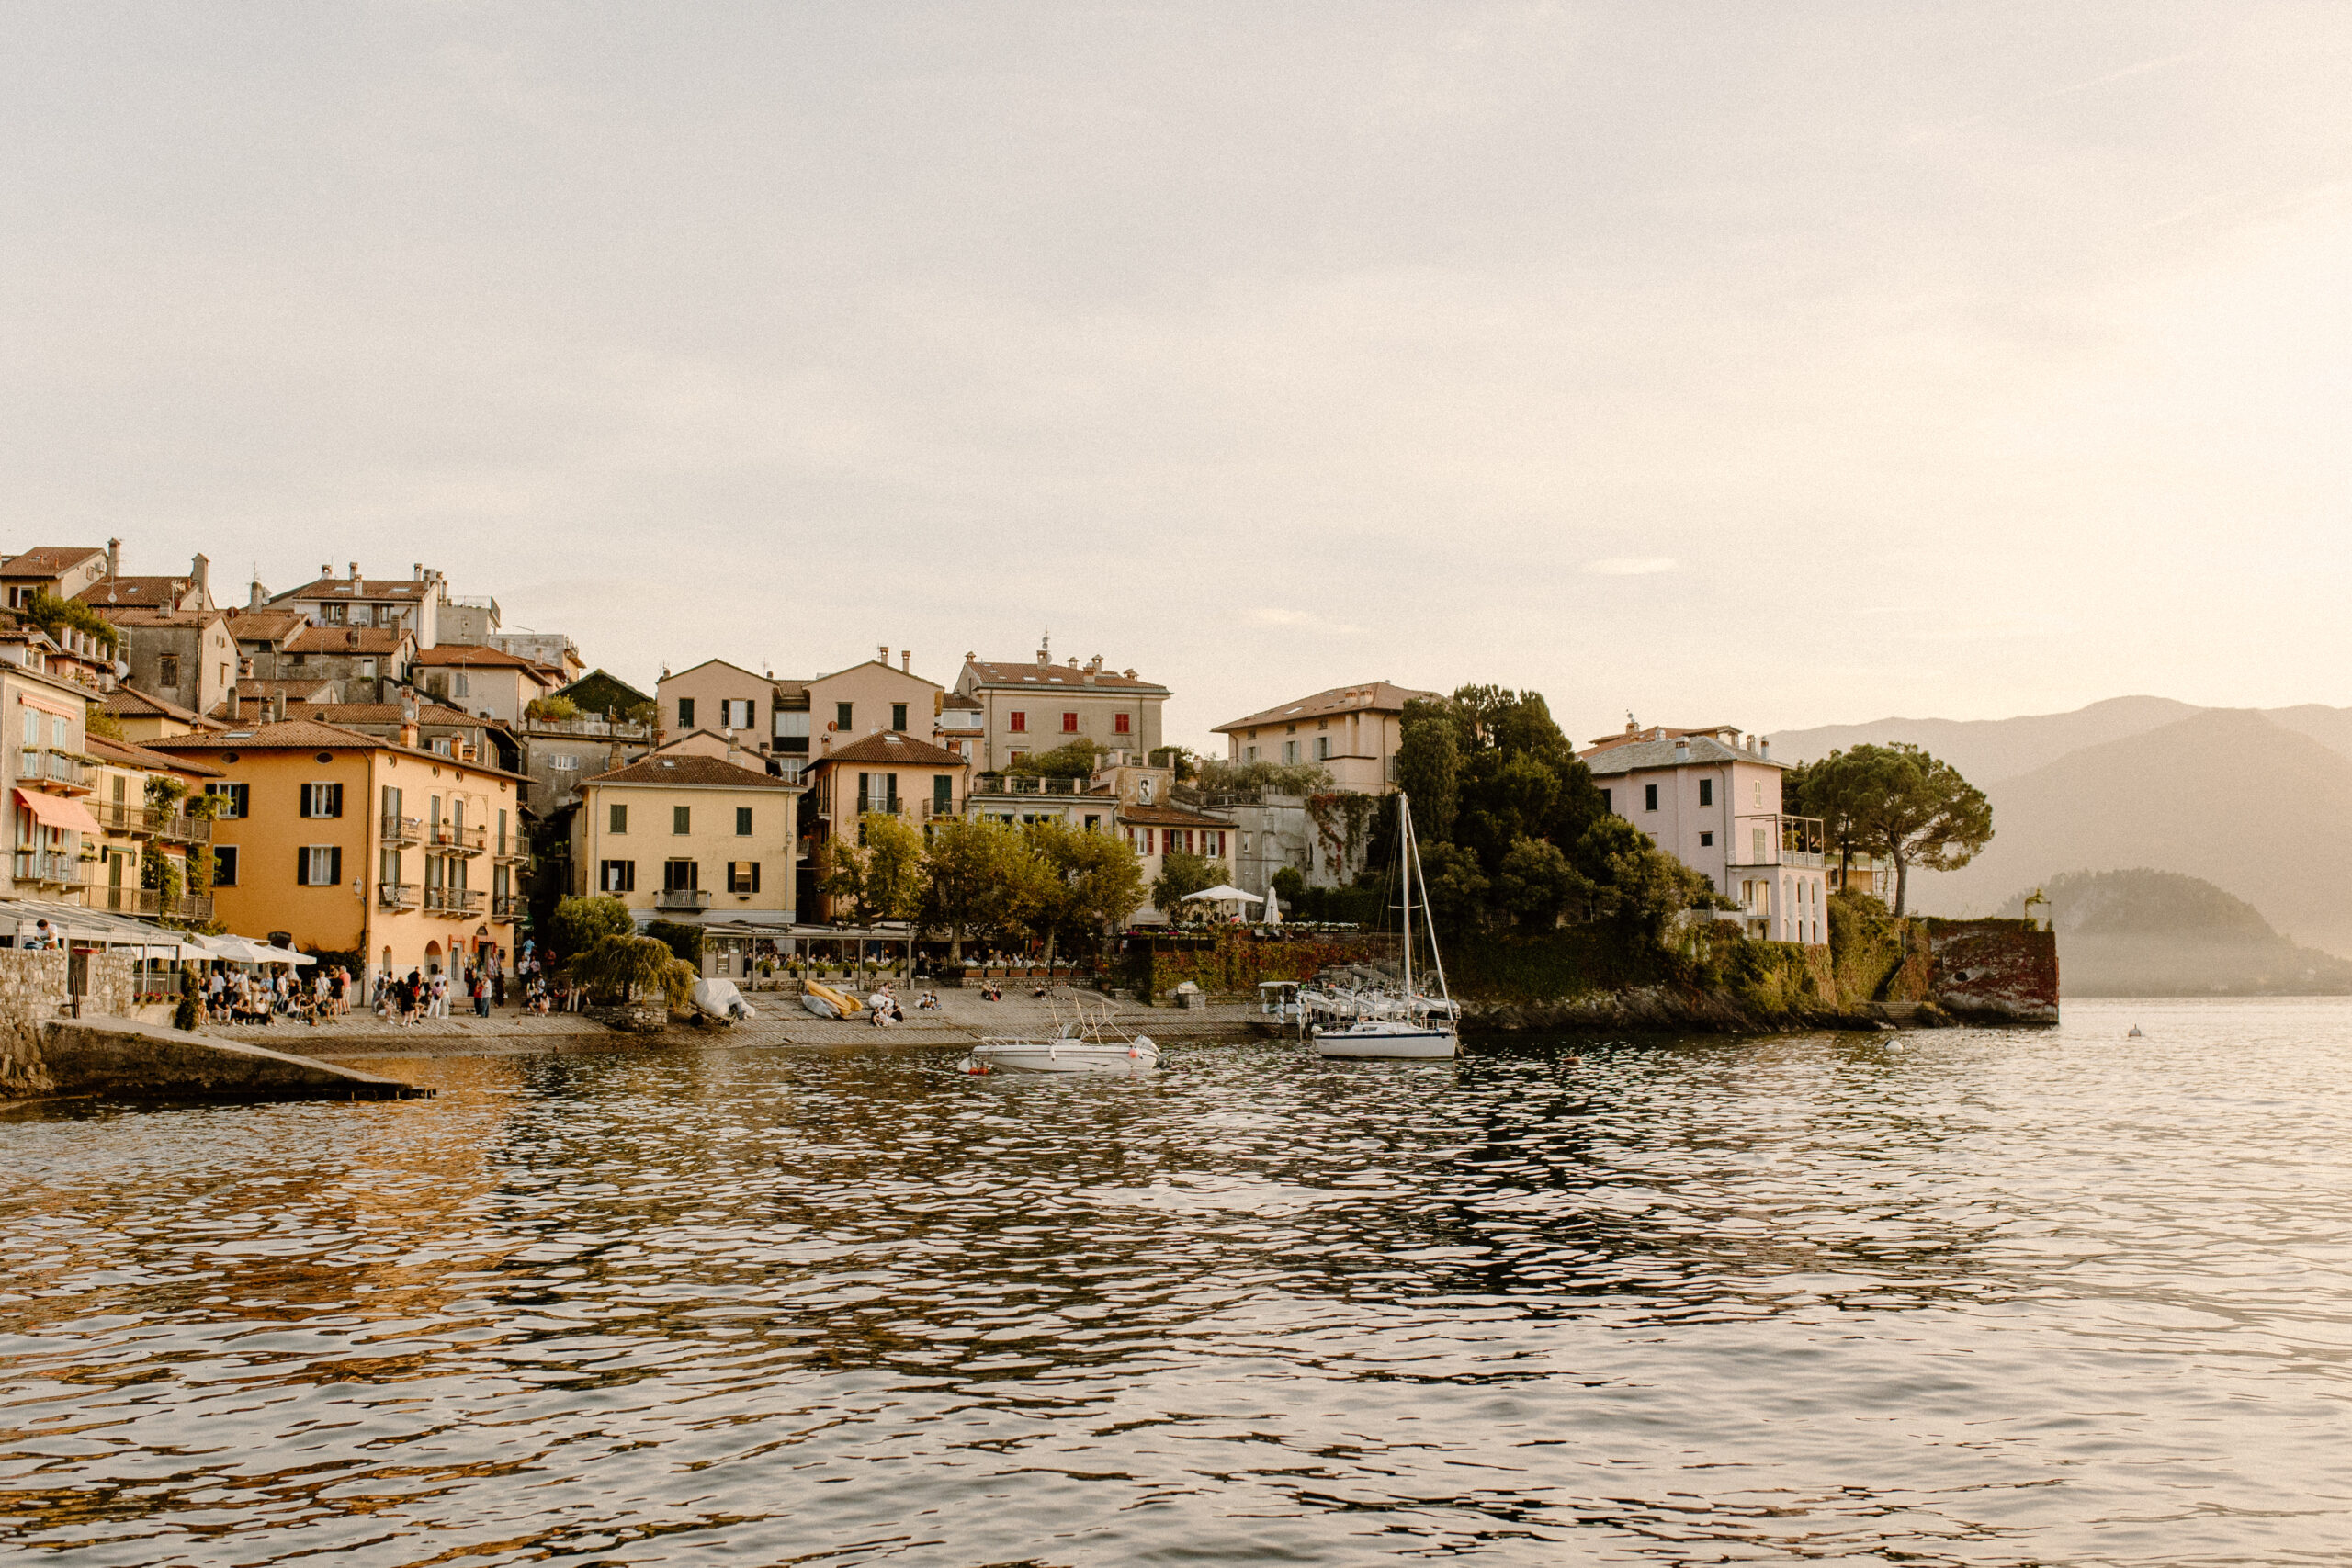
x=1711, y=798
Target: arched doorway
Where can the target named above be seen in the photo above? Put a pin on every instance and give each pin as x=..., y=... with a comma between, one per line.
x=432, y=958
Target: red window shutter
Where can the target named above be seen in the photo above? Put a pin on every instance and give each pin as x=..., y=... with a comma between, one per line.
x=1119, y=724
x=1020, y=722
x=1069, y=724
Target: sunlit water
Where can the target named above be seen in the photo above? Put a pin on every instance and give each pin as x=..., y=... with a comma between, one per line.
x=1946, y=1297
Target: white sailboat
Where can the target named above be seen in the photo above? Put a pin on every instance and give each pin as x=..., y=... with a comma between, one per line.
x=1410, y=1027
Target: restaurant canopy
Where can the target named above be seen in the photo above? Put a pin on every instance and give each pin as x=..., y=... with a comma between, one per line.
x=1222, y=893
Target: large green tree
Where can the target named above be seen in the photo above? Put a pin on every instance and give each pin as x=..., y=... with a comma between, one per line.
x=1900, y=802
x=977, y=876
x=1087, y=884
x=1181, y=875
x=581, y=921
x=879, y=874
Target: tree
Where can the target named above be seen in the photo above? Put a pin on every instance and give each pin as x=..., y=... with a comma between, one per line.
x=1075, y=760
x=1086, y=883
x=1535, y=883
x=1455, y=887
x=581, y=921
x=1179, y=757
x=878, y=874
x=977, y=876
x=628, y=966
x=683, y=940
x=1181, y=875
x=1637, y=884
x=1902, y=803
x=1428, y=766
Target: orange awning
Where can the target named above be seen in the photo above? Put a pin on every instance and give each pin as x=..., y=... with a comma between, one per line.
x=48, y=705
x=57, y=811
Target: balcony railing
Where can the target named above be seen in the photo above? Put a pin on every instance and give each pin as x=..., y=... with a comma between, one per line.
x=509, y=848
x=601, y=728
x=682, y=899
x=460, y=841
x=504, y=906
x=1025, y=784
x=124, y=901
x=151, y=821
x=38, y=765
x=932, y=810
x=881, y=805
x=186, y=906
x=396, y=894
x=403, y=830
x=43, y=865
x=455, y=902
x=1771, y=840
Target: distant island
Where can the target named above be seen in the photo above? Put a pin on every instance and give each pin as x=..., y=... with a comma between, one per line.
x=2160, y=933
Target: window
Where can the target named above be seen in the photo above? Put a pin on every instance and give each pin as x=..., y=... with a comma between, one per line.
x=564, y=763
x=32, y=728
x=898, y=716
x=367, y=669
x=681, y=819
x=1322, y=747
x=317, y=866
x=388, y=867
x=1755, y=837
x=1706, y=791
x=680, y=875
x=743, y=876
x=459, y=685
x=743, y=821
x=844, y=716
x=1290, y=752
x=686, y=713
x=224, y=865
x=232, y=797
x=1020, y=722
x=1706, y=841
x=1119, y=724
x=616, y=817
x=1604, y=802
x=1093, y=823
x=167, y=670
x=1650, y=798
x=1759, y=794
x=58, y=735
x=791, y=732
x=617, y=876
x=1249, y=755
x=443, y=746
x=735, y=713
x=1069, y=724
x=321, y=800
x=1018, y=758
x=943, y=793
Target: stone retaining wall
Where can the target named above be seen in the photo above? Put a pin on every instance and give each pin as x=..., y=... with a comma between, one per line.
x=33, y=992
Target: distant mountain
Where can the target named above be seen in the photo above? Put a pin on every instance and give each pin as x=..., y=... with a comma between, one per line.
x=2159, y=933
x=2231, y=797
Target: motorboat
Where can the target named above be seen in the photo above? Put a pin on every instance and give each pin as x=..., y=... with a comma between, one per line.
x=720, y=1000
x=1086, y=1042
x=826, y=1002
x=1405, y=1024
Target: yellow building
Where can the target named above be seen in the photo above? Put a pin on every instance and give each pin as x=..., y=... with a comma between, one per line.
x=681, y=835
x=347, y=842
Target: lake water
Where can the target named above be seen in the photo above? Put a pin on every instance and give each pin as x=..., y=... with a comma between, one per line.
x=1964, y=1297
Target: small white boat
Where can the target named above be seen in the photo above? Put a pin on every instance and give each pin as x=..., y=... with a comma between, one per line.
x=1404, y=1025
x=720, y=1000
x=1088, y=1044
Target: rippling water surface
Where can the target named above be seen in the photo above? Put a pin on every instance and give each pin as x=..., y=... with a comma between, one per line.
x=1947, y=1297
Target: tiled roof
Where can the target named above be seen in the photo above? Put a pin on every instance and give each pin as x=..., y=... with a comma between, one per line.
x=959, y=700
x=380, y=713
x=47, y=560
x=468, y=654
x=151, y=615
x=347, y=640
x=156, y=591
x=1067, y=677
x=125, y=702
x=365, y=588
x=1726, y=733
x=299, y=688
x=1635, y=756
x=265, y=625
x=892, y=747
x=308, y=735
x=135, y=756
x=702, y=772
x=1369, y=696
x=1169, y=816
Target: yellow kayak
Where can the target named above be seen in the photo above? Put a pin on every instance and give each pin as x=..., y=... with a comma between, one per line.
x=827, y=1002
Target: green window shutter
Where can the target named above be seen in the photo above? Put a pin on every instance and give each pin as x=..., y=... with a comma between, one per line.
x=743, y=821
x=301, y=868
x=681, y=819
x=335, y=862
x=755, y=876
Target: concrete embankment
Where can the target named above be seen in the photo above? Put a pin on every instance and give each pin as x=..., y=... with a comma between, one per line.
x=116, y=1059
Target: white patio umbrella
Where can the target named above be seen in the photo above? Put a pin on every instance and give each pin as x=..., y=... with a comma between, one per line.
x=1222, y=892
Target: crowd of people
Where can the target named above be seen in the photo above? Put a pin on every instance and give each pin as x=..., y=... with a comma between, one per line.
x=248, y=997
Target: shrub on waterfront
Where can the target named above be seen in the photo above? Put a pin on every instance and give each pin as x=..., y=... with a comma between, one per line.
x=1181, y=875
x=581, y=921
x=682, y=940
x=187, y=1013
x=624, y=968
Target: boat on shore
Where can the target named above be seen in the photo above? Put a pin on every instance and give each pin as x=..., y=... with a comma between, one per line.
x=1084, y=1041
x=1404, y=1024
x=827, y=1002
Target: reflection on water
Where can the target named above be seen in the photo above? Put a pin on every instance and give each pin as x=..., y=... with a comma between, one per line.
x=1960, y=1297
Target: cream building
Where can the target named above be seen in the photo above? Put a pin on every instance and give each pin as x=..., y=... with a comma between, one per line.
x=687, y=837
x=1351, y=732
x=136, y=829
x=792, y=719
x=1028, y=707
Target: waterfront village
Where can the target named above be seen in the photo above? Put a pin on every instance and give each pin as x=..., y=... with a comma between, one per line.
x=374, y=769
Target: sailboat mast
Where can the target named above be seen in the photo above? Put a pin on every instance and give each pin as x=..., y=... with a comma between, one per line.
x=1405, y=855
x=1428, y=916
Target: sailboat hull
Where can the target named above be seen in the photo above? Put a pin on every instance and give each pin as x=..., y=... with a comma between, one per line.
x=1393, y=1044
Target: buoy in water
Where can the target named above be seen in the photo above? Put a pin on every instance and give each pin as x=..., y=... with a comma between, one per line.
x=2134, y=1034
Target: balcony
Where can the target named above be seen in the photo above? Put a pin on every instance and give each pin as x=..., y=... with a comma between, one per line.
x=1770, y=840
x=453, y=840
x=510, y=852
x=396, y=894
x=403, y=830
x=932, y=811
x=151, y=822
x=122, y=900
x=881, y=805
x=504, y=906
x=1025, y=784
x=178, y=827
x=186, y=906
x=46, y=867
x=51, y=769
x=457, y=903
x=682, y=899
x=598, y=728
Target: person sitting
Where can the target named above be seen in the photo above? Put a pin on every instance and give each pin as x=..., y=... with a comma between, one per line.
x=927, y=1002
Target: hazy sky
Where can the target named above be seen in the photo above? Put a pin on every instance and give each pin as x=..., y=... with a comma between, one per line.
x=1769, y=365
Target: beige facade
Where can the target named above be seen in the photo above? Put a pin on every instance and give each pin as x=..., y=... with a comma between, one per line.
x=684, y=836
x=137, y=827
x=798, y=721
x=1351, y=732
x=481, y=681
x=49, y=778
x=1026, y=707
x=186, y=657
x=412, y=604
x=65, y=570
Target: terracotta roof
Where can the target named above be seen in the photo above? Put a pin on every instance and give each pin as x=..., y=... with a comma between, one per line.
x=47, y=560
x=1067, y=676
x=130, y=755
x=130, y=590
x=704, y=772
x=344, y=588
x=903, y=674
x=308, y=735
x=300, y=689
x=1726, y=733
x=347, y=640
x=153, y=615
x=381, y=713
x=892, y=747
x=266, y=625
x=959, y=700
x=470, y=654
x=125, y=702
x=1368, y=696
x=1169, y=816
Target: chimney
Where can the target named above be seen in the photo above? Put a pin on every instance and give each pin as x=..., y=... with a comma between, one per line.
x=257, y=597
x=906, y=661
x=355, y=571
x=1045, y=656
x=1764, y=746
x=326, y=568
x=200, y=569
x=1681, y=749
x=277, y=706
x=882, y=654
x=113, y=558
x=408, y=719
